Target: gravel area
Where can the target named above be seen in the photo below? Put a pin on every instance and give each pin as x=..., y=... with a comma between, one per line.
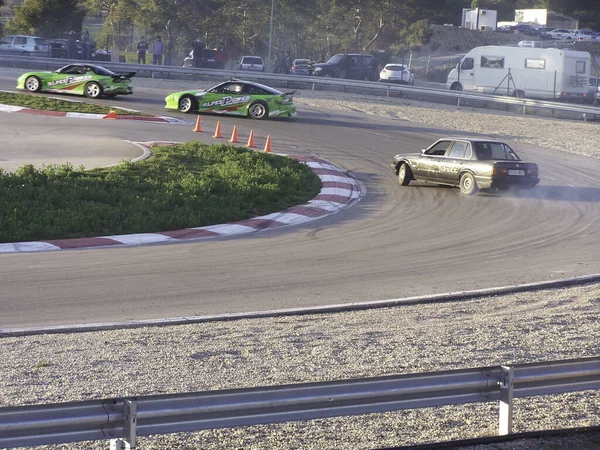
x=525, y=327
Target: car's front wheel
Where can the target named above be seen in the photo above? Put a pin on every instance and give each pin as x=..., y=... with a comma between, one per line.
x=33, y=84
x=187, y=104
x=93, y=90
x=258, y=110
x=468, y=185
x=456, y=87
x=404, y=175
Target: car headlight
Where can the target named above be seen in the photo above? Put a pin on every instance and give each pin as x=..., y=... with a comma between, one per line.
x=318, y=69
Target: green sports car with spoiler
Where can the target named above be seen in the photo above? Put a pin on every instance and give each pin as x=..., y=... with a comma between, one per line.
x=80, y=79
x=242, y=98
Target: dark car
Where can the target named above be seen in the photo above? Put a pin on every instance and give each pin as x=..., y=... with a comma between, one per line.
x=525, y=29
x=352, y=66
x=58, y=48
x=470, y=164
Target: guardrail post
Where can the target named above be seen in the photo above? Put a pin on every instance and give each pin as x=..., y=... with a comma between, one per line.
x=128, y=442
x=506, y=400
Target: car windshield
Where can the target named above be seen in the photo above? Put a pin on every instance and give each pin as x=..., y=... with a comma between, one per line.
x=301, y=62
x=492, y=151
x=396, y=67
x=335, y=59
x=252, y=60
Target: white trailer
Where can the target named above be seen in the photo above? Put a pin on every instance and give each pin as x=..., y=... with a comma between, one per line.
x=544, y=73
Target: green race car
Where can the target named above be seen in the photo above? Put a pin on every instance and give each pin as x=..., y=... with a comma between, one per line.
x=79, y=79
x=243, y=98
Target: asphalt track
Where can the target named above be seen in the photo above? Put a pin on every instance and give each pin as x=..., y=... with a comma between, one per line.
x=397, y=242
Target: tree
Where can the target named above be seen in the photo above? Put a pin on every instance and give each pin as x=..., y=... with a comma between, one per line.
x=47, y=17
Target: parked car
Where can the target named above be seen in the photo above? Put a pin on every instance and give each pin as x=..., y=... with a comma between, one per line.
x=207, y=59
x=352, y=66
x=58, y=48
x=397, y=73
x=545, y=32
x=531, y=44
x=241, y=98
x=561, y=33
x=470, y=164
x=301, y=67
x=584, y=35
x=79, y=79
x=25, y=46
x=525, y=29
x=252, y=63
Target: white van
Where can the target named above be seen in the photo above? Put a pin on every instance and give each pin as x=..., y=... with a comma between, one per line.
x=530, y=44
x=545, y=73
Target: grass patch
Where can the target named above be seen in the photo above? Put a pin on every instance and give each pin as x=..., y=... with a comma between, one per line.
x=180, y=186
x=53, y=104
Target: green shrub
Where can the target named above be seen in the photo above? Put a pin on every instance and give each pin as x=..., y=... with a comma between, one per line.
x=180, y=186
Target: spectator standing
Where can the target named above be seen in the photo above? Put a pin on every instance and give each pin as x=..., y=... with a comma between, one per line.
x=158, y=49
x=71, y=45
x=86, y=42
x=142, y=48
x=198, y=47
x=221, y=56
x=288, y=62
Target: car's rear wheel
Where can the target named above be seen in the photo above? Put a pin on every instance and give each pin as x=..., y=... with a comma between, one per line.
x=33, y=84
x=258, y=110
x=93, y=90
x=404, y=174
x=187, y=104
x=25, y=54
x=468, y=185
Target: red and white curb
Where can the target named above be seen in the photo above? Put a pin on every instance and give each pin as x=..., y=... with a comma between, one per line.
x=339, y=191
x=75, y=115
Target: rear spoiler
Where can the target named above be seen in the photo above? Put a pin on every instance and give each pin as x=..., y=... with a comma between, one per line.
x=123, y=75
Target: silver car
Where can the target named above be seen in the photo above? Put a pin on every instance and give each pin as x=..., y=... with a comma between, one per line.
x=25, y=46
x=254, y=63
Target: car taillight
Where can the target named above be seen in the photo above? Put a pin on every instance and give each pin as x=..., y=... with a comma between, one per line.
x=532, y=172
x=384, y=71
x=499, y=171
x=294, y=67
x=35, y=47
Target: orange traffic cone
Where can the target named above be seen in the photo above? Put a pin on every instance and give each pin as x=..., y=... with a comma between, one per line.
x=198, y=128
x=251, y=140
x=268, y=144
x=111, y=115
x=234, y=138
x=218, y=130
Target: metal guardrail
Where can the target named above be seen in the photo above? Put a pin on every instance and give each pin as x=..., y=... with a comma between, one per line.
x=525, y=105
x=124, y=419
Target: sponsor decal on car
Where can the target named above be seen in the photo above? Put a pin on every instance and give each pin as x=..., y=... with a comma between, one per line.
x=70, y=80
x=227, y=101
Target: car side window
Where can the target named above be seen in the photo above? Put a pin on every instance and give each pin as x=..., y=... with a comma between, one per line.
x=467, y=64
x=7, y=40
x=438, y=149
x=253, y=90
x=233, y=88
x=458, y=150
x=20, y=41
